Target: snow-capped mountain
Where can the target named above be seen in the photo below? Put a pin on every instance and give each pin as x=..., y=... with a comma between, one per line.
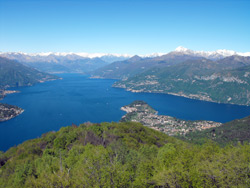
x=156, y=54
x=218, y=54
x=56, y=57
x=58, y=62
x=64, y=62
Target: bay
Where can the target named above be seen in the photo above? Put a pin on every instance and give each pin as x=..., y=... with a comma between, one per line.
x=78, y=99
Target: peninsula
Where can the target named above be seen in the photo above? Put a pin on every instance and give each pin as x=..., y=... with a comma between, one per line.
x=140, y=111
x=8, y=112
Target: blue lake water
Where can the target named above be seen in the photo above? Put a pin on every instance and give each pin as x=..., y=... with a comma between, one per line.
x=77, y=99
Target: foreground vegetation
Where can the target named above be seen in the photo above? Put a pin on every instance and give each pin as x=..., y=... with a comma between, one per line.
x=122, y=155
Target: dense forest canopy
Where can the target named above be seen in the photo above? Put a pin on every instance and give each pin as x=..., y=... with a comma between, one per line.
x=122, y=155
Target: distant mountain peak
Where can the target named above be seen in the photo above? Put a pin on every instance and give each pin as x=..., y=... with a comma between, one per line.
x=135, y=58
x=181, y=49
x=218, y=54
x=225, y=52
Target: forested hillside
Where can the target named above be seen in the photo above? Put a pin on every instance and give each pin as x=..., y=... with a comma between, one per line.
x=234, y=132
x=223, y=81
x=14, y=74
x=121, y=155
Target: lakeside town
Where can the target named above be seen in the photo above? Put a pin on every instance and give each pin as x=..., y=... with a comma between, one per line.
x=140, y=111
x=8, y=112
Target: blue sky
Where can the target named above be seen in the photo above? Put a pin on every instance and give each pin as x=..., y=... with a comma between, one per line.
x=128, y=26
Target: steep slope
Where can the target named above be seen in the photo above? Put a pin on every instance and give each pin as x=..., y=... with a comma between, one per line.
x=126, y=69
x=14, y=74
x=236, y=131
x=199, y=79
x=121, y=155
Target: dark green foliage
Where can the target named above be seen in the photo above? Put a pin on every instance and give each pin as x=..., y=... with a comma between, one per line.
x=121, y=155
x=236, y=131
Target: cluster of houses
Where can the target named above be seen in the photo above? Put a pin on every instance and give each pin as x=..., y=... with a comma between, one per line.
x=166, y=124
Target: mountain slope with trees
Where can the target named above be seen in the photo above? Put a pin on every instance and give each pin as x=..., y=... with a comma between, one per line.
x=223, y=81
x=14, y=74
x=121, y=155
x=236, y=131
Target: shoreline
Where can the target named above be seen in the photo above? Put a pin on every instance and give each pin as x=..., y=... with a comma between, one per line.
x=177, y=94
x=9, y=112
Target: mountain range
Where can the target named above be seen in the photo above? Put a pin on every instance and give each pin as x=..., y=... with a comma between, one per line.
x=223, y=81
x=59, y=63
x=221, y=76
x=81, y=62
x=136, y=64
x=109, y=57
x=61, y=56
x=218, y=54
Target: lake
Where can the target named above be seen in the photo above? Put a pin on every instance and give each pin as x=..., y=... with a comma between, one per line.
x=78, y=99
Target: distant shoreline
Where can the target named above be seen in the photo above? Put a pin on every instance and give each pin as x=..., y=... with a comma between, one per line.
x=194, y=97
